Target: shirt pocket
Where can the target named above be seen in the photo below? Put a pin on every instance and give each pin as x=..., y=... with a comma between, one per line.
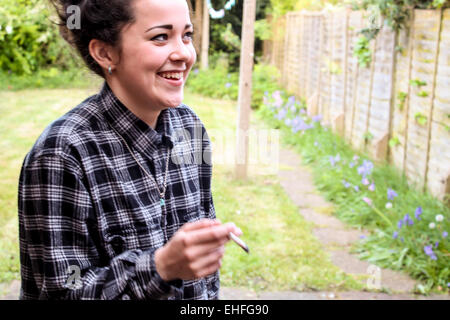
x=131, y=238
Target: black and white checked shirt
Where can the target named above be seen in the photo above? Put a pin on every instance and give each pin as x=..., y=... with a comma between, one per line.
x=90, y=219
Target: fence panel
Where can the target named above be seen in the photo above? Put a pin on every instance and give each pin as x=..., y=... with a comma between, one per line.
x=402, y=91
x=355, y=24
x=382, y=88
x=403, y=95
x=325, y=79
x=425, y=48
x=439, y=158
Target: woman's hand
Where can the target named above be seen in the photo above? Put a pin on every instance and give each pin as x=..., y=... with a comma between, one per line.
x=195, y=251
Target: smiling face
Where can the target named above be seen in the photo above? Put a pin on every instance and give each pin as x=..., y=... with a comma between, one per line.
x=156, y=55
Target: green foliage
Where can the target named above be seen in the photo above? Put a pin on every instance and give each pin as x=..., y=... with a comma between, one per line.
x=423, y=94
x=281, y=7
x=28, y=40
x=220, y=82
x=226, y=32
x=401, y=96
x=49, y=78
x=338, y=173
x=362, y=51
x=368, y=136
x=394, y=142
x=394, y=13
x=263, y=30
x=418, y=83
x=420, y=118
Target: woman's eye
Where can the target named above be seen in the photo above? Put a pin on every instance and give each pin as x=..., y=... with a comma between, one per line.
x=160, y=37
x=190, y=35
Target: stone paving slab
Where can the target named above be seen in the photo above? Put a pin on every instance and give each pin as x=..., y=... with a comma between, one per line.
x=244, y=294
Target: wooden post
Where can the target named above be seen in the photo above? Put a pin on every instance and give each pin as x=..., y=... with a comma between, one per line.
x=205, y=37
x=245, y=88
x=198, y=26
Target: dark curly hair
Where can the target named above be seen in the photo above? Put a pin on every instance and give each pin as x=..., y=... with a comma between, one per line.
x=100, y=19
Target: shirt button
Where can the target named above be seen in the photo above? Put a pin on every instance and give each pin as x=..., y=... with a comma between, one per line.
x=125, y=297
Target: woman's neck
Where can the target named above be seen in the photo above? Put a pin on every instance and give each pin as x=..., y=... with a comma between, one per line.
x=140, y=110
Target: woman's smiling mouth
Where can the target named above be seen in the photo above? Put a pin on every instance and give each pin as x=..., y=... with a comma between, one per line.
x=174, y=78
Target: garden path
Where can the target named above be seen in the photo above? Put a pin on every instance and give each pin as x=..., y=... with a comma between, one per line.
x=336, y=239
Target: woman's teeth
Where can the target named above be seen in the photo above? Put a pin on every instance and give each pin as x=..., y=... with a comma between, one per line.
x=171, y=75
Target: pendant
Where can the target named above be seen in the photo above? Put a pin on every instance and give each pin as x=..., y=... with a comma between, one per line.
x=162, y=202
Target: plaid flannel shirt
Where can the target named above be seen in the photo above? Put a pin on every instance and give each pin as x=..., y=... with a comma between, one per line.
x=90, y=219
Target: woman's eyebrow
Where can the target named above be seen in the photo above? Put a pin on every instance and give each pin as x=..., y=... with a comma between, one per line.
x=168, y=27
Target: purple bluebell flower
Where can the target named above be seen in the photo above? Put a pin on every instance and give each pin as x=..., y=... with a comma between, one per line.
x=407, y=220
x=365, y=169
x=316, y=144
x=402, y=239
x=429, y=252
x=303, y=111
x=355, y=158
x=288, y=122
x=266, y=93
x=436, y=244
x=362, y=237
x=281, y=114
x=356, y=188
x=317, y=118
x=368, y=201
x=400, y=224
x=365, y=181
x=228, y=85
x=298, y=124
x=351, y=164
x=332, y=161
x=418, y=213
x=391, y=194
x=372, y=187
x=395, y=236
x=444, y=234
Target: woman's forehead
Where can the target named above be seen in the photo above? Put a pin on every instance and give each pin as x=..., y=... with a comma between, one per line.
x=157, y=11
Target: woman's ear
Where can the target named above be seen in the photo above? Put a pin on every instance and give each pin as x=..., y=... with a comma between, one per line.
x=105, y=55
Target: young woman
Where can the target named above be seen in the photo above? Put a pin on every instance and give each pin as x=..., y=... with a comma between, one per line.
x=115, y=196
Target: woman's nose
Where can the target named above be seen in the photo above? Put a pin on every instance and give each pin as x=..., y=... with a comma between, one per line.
x=181, y=52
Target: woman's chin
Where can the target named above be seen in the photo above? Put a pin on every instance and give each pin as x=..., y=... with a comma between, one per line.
x=173, y=103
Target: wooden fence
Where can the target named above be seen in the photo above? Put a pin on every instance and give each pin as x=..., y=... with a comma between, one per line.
x=403, y=97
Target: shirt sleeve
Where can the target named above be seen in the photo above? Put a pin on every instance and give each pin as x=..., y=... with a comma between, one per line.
x=58, y=252
x=212, y=281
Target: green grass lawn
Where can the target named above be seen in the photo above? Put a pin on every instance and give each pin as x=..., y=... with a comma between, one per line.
x=284, y=253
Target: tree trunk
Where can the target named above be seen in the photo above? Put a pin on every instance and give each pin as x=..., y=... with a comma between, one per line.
x=198, y=26
x=205, y=37
x=245, y=88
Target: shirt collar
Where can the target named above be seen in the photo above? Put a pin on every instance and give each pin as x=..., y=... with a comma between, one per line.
x=135, y=131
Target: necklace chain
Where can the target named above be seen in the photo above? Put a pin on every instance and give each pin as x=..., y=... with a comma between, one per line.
x=163, y=192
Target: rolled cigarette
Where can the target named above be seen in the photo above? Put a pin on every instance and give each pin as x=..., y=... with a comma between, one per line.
x=239, y=242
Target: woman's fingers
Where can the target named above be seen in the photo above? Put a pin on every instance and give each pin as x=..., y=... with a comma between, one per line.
x=206, y=261
x=214, y=234
x=200, y=224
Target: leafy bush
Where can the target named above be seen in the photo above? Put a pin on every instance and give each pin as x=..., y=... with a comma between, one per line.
x=49, y=78
x=28, y=39
x=409, y=229
x=218, y=82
